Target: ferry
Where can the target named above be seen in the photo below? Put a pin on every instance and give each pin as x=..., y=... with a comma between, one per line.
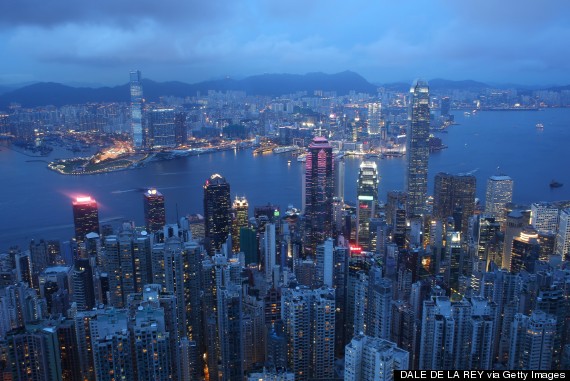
x=540, y=126
x=302, y=158
x=555, y=184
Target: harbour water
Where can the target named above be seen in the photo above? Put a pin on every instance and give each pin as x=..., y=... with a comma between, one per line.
x=35, y=202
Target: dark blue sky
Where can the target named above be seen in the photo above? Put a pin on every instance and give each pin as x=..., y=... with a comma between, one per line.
x=189, y=40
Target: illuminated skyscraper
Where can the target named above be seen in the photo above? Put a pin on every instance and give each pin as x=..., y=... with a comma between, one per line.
x=367, y=195
x=319, y=189
x=240, y=208
x=499, y=194
x=217, y=212
x=374, y=118
x=161, y=128
x=85, y=217
x=154, y=213
x=136, y=109
x=417, y=148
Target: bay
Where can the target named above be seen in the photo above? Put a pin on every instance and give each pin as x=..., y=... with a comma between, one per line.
x=35, y=202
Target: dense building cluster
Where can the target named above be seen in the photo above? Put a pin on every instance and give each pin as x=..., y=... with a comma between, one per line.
x=333, y=291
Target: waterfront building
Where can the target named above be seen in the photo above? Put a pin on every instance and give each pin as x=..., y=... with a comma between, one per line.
x=319, y=189
x=85, y=217
x=217, y=212
x=499, y=193
x=161, y=128
x=154, y=212
x=136, y=109
x=417, y=148
x=454, y=194
x=367, y=199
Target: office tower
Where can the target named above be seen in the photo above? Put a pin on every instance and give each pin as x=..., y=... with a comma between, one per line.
x=217, y=212
x=544, y=216
x=514, y=226
x=154, y=212
x=319, y=188
x=248, y=245
x=396, y=201
x=486, y=230
x=111, y=346
x=136, y=109
x=532, y=341
x=445, y=106
x=525, y=251
x=499, y=194
x=367, y=196
x=161, y=128
x=85, y=217
x=372, y=359
x=562, y=247
x=34, y=353
x=453, y=193
x=82, y=283
x=241, y=220
x=417, y=148
x=324, y=265
x=374, y=119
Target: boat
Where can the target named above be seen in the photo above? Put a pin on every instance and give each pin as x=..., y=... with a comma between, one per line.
x=555, y=184
x=302, y=158
x=540, y=126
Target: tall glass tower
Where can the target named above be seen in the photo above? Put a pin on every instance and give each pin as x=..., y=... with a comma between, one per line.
x=217, y=212
x=136, y=109
x=417, y=148
x=85, y=217
x=499, y=194
x=367, y=195
x=154, y=212
x=319, y=193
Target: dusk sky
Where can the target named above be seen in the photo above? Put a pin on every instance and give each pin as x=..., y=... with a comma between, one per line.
x=98, y=42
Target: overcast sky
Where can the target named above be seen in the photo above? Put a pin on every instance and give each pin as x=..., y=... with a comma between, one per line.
x=99, y=41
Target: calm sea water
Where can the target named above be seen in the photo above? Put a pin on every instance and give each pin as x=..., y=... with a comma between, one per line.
x=36, y=202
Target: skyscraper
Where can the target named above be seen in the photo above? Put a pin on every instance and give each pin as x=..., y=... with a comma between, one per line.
x=417, y=148
x=161, y=128
x=154, y=213
x=319, y=189
x=85, y=217
x=240, y=208
x=136, y=109
x=367, y=195
x=452, y=194
x=217, y=212
x=499, y=194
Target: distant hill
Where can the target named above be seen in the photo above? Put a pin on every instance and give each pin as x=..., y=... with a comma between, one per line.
x=56, y=94
x=438, y=84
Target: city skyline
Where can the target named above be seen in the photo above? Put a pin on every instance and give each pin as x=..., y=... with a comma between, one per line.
x=193, y=41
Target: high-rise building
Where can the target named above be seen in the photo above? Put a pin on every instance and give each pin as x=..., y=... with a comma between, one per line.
x=217, y=212
x=445, y=106
x=161, y=128
x=374, y=119
x=240, y=208
x=367, y=196
x=136, y=109
x=319, y=188
x=563, y=236
x=532, y=341
x=154, y=212
x=372, y=359
x=85, y=217
x=454, y=194
x=82, y=281
x=499, y=194
x=417, y=148
x=544, y=216
x=324, y=264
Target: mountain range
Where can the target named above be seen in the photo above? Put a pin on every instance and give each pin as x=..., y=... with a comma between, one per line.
x=56, y=94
